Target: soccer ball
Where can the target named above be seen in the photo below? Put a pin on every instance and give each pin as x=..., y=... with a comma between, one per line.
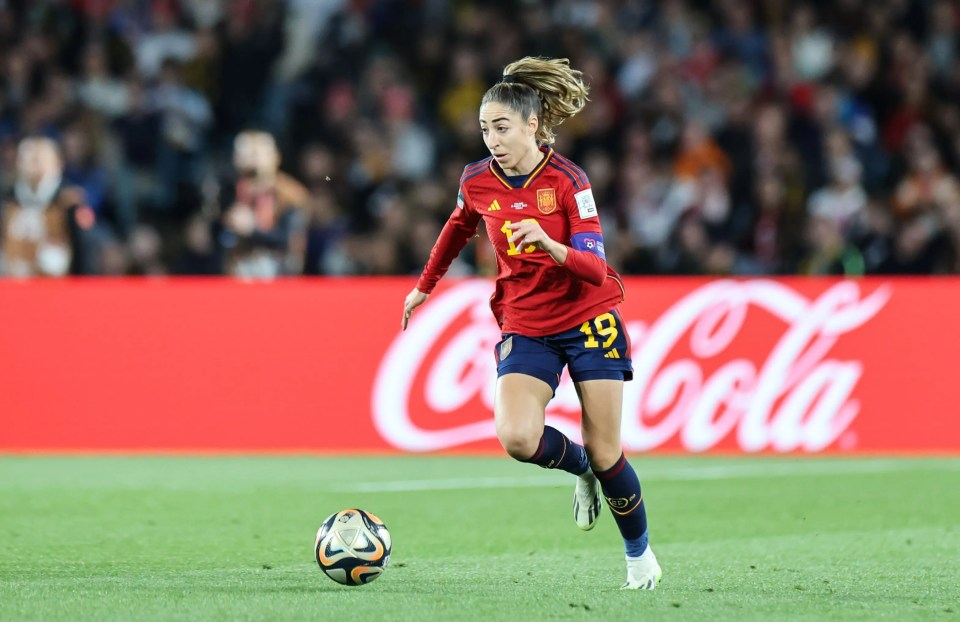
x=353, y=547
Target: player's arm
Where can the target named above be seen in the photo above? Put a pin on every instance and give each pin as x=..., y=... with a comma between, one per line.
x=584, y=256
x=459, y=228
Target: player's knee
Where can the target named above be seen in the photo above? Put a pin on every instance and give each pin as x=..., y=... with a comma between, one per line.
x=601, y=455
x=520, y=442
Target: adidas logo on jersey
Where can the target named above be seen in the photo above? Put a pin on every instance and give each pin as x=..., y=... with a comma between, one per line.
x=612, y=354
x=494, y=207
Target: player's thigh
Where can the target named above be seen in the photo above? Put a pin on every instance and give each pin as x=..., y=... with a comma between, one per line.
x=528, y=372
x=520, y=402
x=602, y=406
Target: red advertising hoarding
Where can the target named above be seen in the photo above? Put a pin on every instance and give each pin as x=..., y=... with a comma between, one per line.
x=320, y=365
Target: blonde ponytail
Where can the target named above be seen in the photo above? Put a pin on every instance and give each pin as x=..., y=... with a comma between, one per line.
x=546, y=87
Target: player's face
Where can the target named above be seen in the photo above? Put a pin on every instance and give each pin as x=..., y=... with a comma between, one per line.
x=510, y=138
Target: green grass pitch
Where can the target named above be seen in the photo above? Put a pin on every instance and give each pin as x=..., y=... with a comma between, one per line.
x=231, y=538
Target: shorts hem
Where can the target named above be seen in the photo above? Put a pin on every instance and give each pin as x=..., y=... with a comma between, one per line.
x=549, y=377
x=602, y=374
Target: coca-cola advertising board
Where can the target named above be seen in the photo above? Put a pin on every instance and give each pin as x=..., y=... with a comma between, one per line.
x=321, y=365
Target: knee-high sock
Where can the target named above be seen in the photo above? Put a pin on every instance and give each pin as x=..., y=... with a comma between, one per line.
x=556, y=451
x=621, y=488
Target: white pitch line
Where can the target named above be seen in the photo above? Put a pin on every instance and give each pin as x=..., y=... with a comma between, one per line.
x=457, y=483
x=799, y=469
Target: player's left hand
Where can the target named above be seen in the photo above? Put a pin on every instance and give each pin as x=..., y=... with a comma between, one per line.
x=529, y=233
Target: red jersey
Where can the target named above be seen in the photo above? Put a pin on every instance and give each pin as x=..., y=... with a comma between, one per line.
x=534, y=295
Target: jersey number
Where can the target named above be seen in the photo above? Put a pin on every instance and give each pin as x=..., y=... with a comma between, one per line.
x=606, y=326
x=513, y=250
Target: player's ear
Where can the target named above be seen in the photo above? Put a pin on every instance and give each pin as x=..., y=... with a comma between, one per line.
x=533, y=124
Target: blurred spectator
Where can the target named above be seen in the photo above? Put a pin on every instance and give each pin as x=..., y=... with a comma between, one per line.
x=922, y=246
x=812, y=46
x=81, y=167
x=185, y=117
x=739, y=36
x=135, y=183
x=145, y=252
x=263, y=220
x=698, y=153
x=97, y=89
x=942, y=41
x=251, y=42
x=873, y=236
x=44, y=221
x=326, y=223
x=928, y=186
x=200, y=256
x=464, y=88
x=200, y=72
x=774, y=240
x=412, y=145
x=829, y=252
x=639, y=64
x=843, y=198
x=166, y=40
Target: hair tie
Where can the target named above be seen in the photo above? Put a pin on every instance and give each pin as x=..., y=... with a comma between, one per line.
x=508, y=79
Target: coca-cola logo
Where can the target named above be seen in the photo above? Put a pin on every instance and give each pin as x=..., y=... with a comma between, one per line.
x=690, y=385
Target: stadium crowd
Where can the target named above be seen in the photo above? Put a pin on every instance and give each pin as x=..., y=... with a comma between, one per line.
x=269, y=137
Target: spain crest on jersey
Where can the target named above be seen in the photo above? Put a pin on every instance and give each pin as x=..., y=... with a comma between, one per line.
x=547, y=200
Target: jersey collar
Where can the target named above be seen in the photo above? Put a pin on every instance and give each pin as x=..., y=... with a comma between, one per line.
x=499, y=174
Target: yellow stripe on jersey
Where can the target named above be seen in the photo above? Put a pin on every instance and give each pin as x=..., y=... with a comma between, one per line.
x=533, y=174
x=540, y=167
x=493, y=169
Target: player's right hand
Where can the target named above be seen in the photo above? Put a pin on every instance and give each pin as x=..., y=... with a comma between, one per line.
x=413, y=300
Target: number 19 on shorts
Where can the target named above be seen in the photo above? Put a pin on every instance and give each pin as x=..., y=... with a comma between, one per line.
x=605, y=327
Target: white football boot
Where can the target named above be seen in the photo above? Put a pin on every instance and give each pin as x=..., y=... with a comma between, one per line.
x=643, y=573
x=586, y=501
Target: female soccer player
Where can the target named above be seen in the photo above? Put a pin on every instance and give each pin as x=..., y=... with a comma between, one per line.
x=555, y=299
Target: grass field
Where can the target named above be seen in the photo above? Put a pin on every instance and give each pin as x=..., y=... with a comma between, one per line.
x=230, y=538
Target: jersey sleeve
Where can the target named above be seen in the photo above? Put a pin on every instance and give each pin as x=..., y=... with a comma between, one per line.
x=585, y=258
x=459, y=228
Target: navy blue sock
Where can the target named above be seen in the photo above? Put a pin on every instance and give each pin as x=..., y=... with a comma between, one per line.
x=556, y=451
x=621, y=487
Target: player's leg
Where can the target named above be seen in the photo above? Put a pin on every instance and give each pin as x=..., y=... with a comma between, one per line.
x=519, y=408
x=602, y=401
x=599, y=363
x=528, y=372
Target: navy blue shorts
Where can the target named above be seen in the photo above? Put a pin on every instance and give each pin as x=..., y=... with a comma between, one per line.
x=597, y=349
